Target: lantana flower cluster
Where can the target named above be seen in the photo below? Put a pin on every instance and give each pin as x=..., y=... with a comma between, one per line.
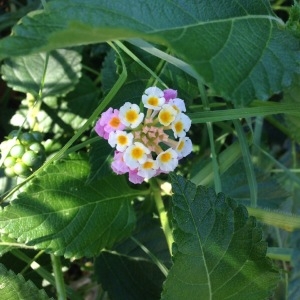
x=147, y=144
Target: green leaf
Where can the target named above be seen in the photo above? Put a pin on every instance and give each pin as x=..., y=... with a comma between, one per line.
x=58, y=212
x=148, y=232
x=14, y=287
x=294, y=280
x=128, y=278
x=26, y=74
x=235, y=185
x=62, y=116
x=218, y=251
x=291, y=96
x=100, y=157
x=240, y=48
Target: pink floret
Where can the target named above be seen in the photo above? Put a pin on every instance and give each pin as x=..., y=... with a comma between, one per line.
x=134, y=177
x=103, y=127
x=169, y=94
x=118, y=165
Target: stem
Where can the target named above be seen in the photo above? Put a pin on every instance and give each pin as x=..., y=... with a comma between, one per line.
x=247, y=162
x=58, y=275
x=162, y=214
x=215, y=164
x=159, y=264
x=43, y=273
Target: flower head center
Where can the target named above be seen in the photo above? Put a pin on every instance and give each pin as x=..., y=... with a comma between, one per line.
x=122, y=139
x=114, y=122
x=166, y=117
x=180, y=145
x=153, y=101
x=166, y=157
x=148, y=165
x=179, y=126
x=137, y=153
x=131, y=116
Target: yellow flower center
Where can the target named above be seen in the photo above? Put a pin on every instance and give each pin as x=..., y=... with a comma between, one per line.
x=122, y=140
x=178, y=126
x=153, y=101
x=131, y=116
x=166, y=157
x=137, y=153
x=114, y=122
x=180, y=146
x=148, y=165
x=165, y=117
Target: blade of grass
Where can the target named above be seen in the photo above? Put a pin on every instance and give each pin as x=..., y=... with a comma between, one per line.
x=249, y=169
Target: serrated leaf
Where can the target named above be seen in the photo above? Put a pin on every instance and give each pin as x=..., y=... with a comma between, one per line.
x=240, y=48
x=5, y=248
x=25, y=74
x=128, y=278
x=235, y=185
x=291, y=95
x=62, y=214
x=14, y=287
x=218, y=251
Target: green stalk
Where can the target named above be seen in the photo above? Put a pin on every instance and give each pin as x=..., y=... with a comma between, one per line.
x=159, y=264
x=164, y=221
x=216, y=170
x=43, y=272
x=247, y=162
x=58, y=275
x=278, y=253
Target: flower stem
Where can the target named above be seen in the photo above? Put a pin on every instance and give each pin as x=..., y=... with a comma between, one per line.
x=162, y=214
x=58, y=275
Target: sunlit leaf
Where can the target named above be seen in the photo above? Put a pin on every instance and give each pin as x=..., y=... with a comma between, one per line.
x=26, y=74
x=218, y=251
x=213, y=39
x=14, y=287
x=60, y=213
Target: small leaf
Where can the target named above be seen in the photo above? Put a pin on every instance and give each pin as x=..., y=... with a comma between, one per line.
x=60, y=213
x=25, y=74
x=14, y=287
x=128, y=278
x=218, y=251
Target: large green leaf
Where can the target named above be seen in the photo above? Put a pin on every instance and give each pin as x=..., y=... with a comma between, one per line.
x=240, y=48
x=14, y=287
x=58, y=212
x=26, y=74
x=218, y=251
